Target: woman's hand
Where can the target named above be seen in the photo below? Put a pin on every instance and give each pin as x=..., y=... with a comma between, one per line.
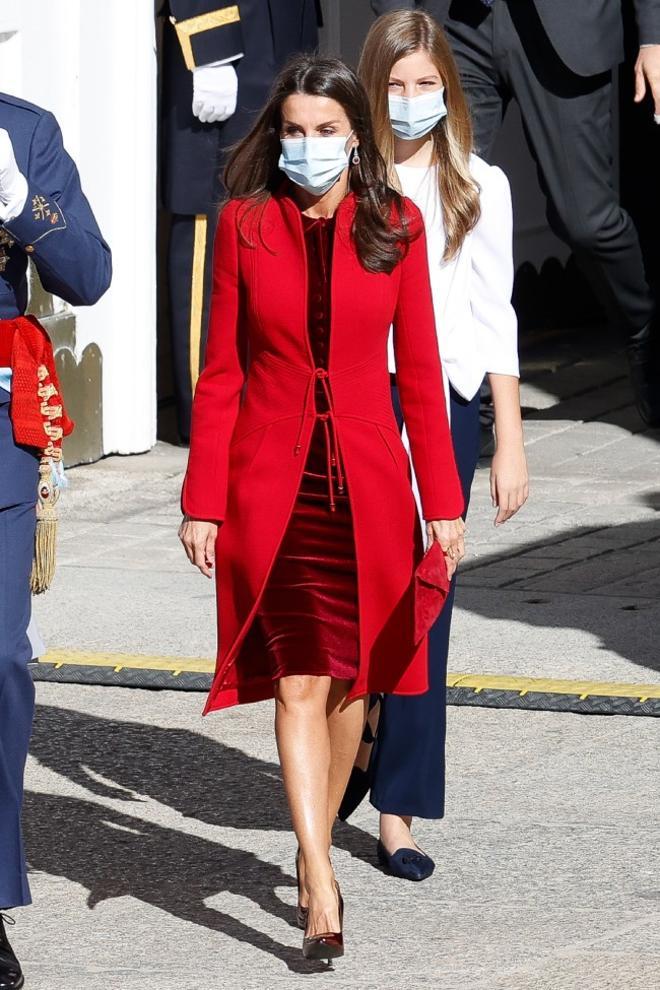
x=198, y=537
x=450, y=534
x=509, y=481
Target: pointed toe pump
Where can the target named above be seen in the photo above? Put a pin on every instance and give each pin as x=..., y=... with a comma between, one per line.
x=330, y=945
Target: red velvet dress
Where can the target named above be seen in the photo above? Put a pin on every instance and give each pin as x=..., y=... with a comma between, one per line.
x=309, y=610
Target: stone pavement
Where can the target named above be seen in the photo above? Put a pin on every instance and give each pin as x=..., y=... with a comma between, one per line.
x=576, y=577
x=159, y=841
x=569, y=588
x=163, y=860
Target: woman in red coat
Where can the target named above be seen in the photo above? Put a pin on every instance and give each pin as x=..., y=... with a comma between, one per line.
x=298, y=486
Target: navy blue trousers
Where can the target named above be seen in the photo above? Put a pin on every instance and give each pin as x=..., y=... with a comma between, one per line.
x=408, y=759
x=18, y=489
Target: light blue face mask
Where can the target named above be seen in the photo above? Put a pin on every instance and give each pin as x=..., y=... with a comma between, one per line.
x=414, y=117
x=315, y=163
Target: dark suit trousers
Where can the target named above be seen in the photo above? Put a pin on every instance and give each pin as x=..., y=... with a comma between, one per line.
x=504, y=53
x=408, y=759
x=18, y=489
x=189, y=277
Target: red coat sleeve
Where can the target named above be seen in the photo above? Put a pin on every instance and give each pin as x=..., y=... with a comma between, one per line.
x=419, y=377
x=218, y=393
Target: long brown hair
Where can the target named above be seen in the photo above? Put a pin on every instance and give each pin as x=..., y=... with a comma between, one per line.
x=393, y=37
x=379, y=231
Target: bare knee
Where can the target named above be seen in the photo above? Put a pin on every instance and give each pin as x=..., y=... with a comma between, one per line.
x=301, y=692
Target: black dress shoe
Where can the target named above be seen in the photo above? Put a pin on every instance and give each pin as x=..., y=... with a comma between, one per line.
x=11, y=975
x=408, y=864
x=644, y=360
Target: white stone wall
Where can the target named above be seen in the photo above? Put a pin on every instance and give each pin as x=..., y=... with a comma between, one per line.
x=93, y=64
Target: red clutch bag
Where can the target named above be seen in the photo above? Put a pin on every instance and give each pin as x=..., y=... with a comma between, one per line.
x=431, y=587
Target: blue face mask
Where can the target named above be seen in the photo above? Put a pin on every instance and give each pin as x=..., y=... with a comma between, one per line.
x=315, y=163
x=414, y=117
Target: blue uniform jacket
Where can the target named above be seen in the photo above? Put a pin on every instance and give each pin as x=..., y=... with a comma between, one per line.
x=267, y=32
x=57, y=228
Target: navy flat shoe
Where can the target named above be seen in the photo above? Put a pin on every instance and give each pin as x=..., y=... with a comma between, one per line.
x=408, y=864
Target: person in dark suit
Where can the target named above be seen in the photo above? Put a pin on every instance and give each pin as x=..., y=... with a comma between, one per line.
x=219, y=60
x=555, y=58
x=45, y=217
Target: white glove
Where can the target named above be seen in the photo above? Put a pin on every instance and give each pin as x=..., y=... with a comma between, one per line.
x=215, y=91
x=13, y=184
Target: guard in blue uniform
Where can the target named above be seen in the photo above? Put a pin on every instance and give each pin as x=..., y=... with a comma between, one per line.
x=219, y=61
x=44, y=216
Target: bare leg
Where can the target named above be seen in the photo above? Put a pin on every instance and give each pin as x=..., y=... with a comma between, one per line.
x=395, y=832
x=345, y=726
x=303, y=742
x=346, y=720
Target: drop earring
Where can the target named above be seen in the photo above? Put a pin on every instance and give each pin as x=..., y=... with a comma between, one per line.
x=356, y=156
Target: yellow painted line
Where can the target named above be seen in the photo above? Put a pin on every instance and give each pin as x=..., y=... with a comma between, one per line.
x=477, y=682
x=544, y=685
x=176, y=665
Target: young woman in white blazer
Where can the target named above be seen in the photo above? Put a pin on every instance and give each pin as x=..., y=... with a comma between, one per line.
x=423, y=128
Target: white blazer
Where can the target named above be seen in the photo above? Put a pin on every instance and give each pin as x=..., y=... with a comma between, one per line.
x=476, y=323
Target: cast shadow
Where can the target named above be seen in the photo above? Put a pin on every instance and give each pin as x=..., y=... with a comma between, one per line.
x=573, y=357
x=586, y=372
x=199, y=777
x=113, y=854
x=626, y=618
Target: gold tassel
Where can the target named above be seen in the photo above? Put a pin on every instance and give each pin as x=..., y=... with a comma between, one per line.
x=45, y=541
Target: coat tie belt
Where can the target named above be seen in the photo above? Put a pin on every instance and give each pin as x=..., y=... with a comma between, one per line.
x=328, y=418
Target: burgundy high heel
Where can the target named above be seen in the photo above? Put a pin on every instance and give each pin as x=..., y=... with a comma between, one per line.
x=330, y=945
x=302, y=913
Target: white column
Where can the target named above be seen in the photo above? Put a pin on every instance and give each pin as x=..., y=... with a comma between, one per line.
x=94, y=66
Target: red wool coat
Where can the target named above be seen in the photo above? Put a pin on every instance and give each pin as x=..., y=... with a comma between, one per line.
x=253, y=417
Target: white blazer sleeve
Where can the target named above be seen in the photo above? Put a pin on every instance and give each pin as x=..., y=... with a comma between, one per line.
x=492, y=276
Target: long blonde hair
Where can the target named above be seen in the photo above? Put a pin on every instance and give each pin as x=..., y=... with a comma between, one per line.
x=393, y=37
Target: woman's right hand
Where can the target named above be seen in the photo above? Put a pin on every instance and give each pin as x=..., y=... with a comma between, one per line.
x=450, y=534
x=198, y=537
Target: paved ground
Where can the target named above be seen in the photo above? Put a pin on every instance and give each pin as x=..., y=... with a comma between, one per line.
x=164, y=862
x=159, y=842
x=571, y=588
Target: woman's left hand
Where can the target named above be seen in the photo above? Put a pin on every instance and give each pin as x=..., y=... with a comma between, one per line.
x=450, y=534
x=509, y=480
